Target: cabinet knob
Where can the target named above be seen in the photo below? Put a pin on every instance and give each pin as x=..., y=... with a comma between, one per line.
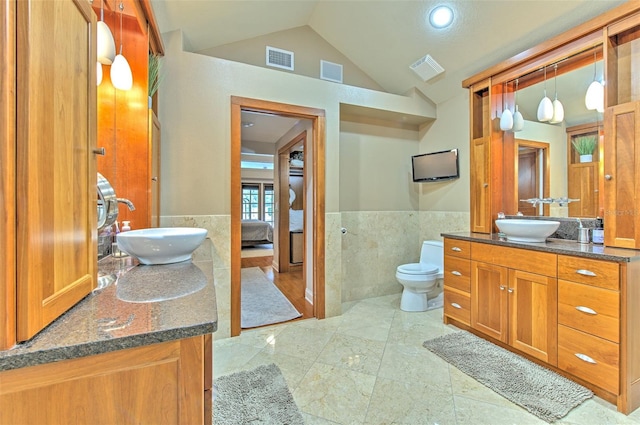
x=456, y=273
x=485, y=185
x=585, y=358
x=608, y=176
x=586, y=310
x=502, y=287
x=510, y=290
x=99, y=151
x=155, y=179
x=456, y=305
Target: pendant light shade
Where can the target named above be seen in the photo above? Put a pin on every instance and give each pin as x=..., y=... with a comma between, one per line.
x=545, y=108
x=98, y=73
x=506, y=120
x=518, y=120
x=558, y=109
x=121, y=76
x=594, y=98
x=106, y=45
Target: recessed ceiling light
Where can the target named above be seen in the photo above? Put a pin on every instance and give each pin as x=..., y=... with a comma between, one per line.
x=247, y=124
x=441, y=16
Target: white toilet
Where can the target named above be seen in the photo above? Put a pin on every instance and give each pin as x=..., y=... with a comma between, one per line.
x=420, y=280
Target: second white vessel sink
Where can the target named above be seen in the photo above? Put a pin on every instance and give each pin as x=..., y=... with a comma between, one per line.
x=523, y=230
x=163, y=245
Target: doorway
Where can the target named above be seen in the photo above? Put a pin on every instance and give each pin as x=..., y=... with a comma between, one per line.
x=532, y=169
x=314, y=190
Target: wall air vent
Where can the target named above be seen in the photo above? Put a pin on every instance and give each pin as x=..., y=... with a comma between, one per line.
x=426, y=67
x=331, y=71
x=279, y=58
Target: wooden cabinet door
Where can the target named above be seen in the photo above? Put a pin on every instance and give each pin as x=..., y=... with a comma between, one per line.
x=162, y=383
x=55, y=169
x=533, y=314
x=622, y=171
x=480, y=188
x=582, y=182
x=489, y=312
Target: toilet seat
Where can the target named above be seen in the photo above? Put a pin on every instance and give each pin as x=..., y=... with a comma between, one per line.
x=418, y=269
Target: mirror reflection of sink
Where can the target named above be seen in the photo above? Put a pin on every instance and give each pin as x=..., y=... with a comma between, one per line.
x=523, y=230
x=162, y=245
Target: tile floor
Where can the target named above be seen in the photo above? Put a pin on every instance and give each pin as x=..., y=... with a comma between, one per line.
x=368, y=366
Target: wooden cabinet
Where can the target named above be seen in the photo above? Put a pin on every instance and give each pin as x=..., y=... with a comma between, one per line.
x=457, y=281
x=165, y=383
x=513, y=305
x=576, y=314
x=53, y=175
x=589, y=320
x=584, y=179
x=480, y=155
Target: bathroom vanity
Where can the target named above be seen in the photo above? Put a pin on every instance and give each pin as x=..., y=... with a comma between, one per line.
x=139, y=350
x=571, y=307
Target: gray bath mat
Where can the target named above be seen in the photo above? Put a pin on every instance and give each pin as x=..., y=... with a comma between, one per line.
x=262, y=302
x=257, y=397
x=541, y=391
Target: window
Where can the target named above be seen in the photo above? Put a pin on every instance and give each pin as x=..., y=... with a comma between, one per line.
x=258, y=201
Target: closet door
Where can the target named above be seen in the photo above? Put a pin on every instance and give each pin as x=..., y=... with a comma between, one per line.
x=55, y=169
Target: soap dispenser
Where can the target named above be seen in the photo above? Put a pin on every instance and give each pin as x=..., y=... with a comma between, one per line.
x=598, y=232
x=126, y=226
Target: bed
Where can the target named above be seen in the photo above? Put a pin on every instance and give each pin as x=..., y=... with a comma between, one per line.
x=256, y=232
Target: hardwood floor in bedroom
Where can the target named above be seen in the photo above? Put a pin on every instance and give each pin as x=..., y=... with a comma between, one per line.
x=291, y=284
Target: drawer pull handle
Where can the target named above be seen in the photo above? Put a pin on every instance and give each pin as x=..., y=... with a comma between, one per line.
x=585, y=358
x=456, y=273
x=586, y=310
x=456, y=249
x=584, y=272
x=456, y=305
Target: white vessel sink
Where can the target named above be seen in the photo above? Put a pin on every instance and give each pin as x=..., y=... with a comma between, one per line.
x=522, y=230
x=161, y=245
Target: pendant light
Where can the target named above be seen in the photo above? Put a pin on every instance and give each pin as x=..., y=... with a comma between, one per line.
x=120, y=70
x=545, y=108
x=594, y=99
x=558, y=109
x=506, y=120
x=106, y=45
x=518, y=120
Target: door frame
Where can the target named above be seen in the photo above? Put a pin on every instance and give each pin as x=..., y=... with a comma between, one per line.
x=539, y=146
x=317, y=116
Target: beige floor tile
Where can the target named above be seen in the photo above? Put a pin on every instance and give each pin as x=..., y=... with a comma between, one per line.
x=596, y=411
x=229, y=358
x=300, y=342
x=335, y=394
x=353, y=353
x=412, y=363
x=293, y=368
x=474, y=412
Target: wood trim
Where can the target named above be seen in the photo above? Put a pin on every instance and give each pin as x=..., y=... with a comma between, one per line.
x=317, y=116
x=547, y=168
x=629, y=398
x=594, y=25
x=8, y=173
x=155, y=38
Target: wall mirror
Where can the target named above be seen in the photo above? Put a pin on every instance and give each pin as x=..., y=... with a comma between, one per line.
x=545, y=163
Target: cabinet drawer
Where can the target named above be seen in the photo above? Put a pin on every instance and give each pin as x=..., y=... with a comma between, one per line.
x=457, y=248
x=457, y=306
x=457, y=273
x=542, y=263
x=589, y=309
x=600, y=273
x=600, y=358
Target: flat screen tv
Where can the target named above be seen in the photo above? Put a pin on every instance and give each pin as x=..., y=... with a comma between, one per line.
x=435, y=166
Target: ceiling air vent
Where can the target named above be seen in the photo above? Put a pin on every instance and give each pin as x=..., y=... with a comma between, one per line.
x=279, y=58
x=426, y=68
x=331, y=71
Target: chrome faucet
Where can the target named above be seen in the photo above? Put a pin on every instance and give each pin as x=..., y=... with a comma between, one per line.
x=127, y=202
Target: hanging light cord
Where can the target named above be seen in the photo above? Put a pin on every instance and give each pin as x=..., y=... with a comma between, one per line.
x=555, y=78
x=121, y=10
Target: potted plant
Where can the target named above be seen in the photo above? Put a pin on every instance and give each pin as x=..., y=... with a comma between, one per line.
x=154, y=75
x=585, y=145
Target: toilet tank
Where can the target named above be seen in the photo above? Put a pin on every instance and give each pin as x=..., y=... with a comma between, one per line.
x=433, y=253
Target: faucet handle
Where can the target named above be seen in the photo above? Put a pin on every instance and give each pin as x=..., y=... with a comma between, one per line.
x=501, y=215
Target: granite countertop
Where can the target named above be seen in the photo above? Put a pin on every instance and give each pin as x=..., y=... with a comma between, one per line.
x=147, y=305
x=557, y=246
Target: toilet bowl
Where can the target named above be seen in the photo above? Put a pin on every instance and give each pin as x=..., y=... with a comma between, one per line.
x=420, y=280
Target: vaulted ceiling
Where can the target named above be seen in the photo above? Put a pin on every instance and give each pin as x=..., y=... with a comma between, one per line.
x=384, y=37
